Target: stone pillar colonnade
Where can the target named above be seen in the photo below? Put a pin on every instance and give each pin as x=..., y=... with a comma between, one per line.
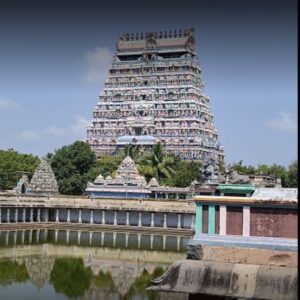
x=96, y=216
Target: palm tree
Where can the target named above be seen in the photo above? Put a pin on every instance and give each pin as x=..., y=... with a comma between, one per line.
x=161, y=163
x=157, y=164
x=130, y=150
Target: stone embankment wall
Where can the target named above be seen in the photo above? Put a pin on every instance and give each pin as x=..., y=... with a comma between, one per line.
x=230, y=280
x=239, y=255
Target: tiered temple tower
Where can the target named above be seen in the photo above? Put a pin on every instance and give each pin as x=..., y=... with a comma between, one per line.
x=154, y=93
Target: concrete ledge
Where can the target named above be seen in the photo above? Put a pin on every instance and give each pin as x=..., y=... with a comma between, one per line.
x=243, y=255
x=229, y=280
x=280, y=244
x=168, y=206
x=95, y=227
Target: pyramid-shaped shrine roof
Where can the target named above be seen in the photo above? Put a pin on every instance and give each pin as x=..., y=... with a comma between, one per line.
x=129, y=172
x=43, y=180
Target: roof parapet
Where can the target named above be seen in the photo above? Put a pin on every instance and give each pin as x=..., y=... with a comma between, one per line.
x=157, y=35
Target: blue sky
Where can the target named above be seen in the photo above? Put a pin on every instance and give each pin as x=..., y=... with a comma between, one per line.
x=54, y=58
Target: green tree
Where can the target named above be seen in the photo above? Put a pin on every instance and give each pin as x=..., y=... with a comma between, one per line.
x=242, y=169
x=288, y=176
x=138, y=288
x=291, y=176
x=71, y=164
x=12, y=272
x=12, y=164
x=106, y=166
x=70, y=277
x=104, y=280
x=185, y=173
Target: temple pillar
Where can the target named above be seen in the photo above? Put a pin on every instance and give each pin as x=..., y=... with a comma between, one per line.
x=165, y=221
x=223, y=219
x=246, y=220
x=0, y=216
x=92, y=217
x=103, y=217
x=177, y=196
x=16, y=215
x=6, y=238
x=211, y=218
x=79, y=216
x=127, y=218
x=78, y=237
x=152, y=220
x=139, y=240
x=46, y=215
x=38, y=235
x=151, y=241
x=67, y=237
x=164, y=242
x=155, y=195
x=114, y=239
x=55, y=236
x=102, y=238
x=115, y=218
x=179, y=221
x=90, y=237
x=68, y=216
x=15, y=237
x=178, y=243
x=56, y=216
x=140, y=219
x=199, y=213
x=126, y=239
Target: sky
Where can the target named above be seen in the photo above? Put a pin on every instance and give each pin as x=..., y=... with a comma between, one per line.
x=55, y=55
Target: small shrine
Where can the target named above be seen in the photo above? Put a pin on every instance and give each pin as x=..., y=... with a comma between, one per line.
x=127, y=183
x=43, y=180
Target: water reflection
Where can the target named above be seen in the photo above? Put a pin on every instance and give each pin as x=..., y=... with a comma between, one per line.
x=81, y=265
x=94, y=239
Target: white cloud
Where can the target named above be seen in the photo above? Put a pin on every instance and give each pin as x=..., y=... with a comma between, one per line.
x=283, y=122
x=79, y=127
x=55, y=131
x=8, y=103
x=97, y=63
x=30, y=134
x=37, y=134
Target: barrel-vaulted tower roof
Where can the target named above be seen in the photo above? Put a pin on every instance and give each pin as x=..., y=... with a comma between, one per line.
x=182, y=40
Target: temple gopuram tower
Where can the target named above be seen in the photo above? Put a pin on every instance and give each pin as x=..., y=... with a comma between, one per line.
x=154, y=93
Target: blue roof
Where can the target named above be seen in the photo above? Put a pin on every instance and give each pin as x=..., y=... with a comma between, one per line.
x=139, y=139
